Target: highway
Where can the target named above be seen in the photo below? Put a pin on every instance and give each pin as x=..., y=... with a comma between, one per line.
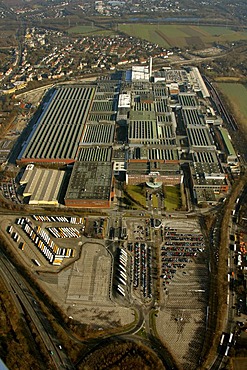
x=42, y=325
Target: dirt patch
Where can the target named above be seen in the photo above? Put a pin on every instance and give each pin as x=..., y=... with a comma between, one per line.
x=195, y=41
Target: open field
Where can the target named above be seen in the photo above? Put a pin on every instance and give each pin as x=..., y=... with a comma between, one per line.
x=90, y=30
x=155, y=202
x=236, y=94
x=137, y=194
x=183, y=35
x=172, y=198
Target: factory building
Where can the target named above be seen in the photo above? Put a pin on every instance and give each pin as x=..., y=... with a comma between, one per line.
x=57, y=132
x=42, y=186
x=131, y=128
x=90, y=185
x=141, y=171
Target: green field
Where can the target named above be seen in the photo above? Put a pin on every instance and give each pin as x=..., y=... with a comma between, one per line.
x=237, y=97
x=137, y=194
x=90, y=30
x=172, y=199
x=155, y=201
x=168, y=35
x=182, y=35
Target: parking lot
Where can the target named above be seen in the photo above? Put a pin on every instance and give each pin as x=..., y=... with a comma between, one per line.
x=91, y=275
x=168, y=253
x=141, y=269
x=184, y=290
x=9, y=191
x=178, y=250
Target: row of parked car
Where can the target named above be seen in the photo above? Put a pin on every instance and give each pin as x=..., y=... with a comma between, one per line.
x=142, y=268
x=178, y=250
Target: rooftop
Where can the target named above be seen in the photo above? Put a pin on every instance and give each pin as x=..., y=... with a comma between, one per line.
x=42, y=185
x=90, y=180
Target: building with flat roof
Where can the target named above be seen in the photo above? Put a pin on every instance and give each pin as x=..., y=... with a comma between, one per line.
x=132, y=128
x=199, y=137
x=140, y=73
x=230, y=151
x=95, y=154
x=98, y=133
x=207, y=176
x=57, y=132
x=43, y=186
x=139, y=171
x=90, y=185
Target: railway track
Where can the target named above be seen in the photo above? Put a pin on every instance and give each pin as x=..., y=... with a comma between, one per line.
x=228, y=118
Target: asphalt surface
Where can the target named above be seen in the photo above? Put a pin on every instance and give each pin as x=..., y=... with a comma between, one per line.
x=24, y=295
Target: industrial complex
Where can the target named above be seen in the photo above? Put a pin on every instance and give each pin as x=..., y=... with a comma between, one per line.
x=126, y=178
x=145, y=125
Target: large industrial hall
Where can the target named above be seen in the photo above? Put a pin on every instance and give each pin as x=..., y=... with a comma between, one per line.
x=141, y=124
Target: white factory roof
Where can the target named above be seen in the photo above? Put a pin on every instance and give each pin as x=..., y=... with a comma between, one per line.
x=124, y=100
x=140, y=73
x=42, y=185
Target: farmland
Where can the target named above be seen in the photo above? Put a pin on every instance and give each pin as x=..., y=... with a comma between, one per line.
x=90, y=30
x=236, y=94
x=183, y=35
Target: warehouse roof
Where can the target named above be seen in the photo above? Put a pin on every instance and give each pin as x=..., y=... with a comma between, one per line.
x=98, y=117
x=98, y=133
x=95, y=154
x=197, y=82
x=90, y=180
x=199, y=136
x=187, y=100
x=173, y=75
x=160, y=91
x=227, y=141
x=155, y=153
x=141, y=131
x=43, y=185
x=59, y=127
x=192, y=117
x=145, y=167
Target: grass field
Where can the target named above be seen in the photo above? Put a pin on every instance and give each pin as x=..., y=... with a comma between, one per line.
x=155, y=201
x=182, y=35
x=90, y=30
x=137, y=194
x=172, y=198
x=237, y=97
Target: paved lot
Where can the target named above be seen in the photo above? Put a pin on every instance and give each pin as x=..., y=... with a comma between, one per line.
x=84, y=289
x=102, y=316
x=181, y=319
x=90, y=275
